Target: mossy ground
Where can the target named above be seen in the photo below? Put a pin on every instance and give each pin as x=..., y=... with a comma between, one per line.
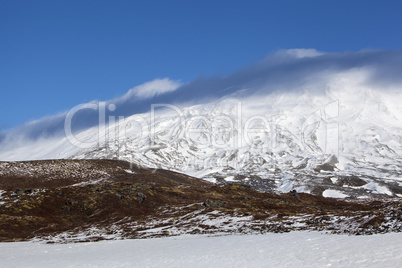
x=41, y=206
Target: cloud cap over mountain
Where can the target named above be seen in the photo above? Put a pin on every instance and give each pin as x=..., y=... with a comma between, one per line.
x=282, y=71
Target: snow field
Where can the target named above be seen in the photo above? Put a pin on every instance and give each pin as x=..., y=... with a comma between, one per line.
x=295, y=249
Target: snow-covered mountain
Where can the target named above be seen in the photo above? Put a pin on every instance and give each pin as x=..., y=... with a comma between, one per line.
x=301, y=120
x=343, y=141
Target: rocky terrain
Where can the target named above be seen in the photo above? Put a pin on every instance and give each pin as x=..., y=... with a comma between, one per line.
x=89, y=200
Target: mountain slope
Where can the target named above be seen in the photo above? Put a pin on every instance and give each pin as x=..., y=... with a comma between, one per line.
x=273, y=143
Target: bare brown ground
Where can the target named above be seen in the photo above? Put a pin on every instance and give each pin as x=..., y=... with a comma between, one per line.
x=42, y=198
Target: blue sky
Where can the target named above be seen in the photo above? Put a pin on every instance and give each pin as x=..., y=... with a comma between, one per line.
x=57, y=54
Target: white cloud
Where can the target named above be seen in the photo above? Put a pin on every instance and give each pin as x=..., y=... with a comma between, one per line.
x=300, y=53
x=153, y=88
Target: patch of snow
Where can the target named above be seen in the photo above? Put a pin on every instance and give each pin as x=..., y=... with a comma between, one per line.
x=229, y=178
x=334, y=194
x=129, y=171
x=286, y=184
x=1, y=193
x=84, y=183
x=375, y=187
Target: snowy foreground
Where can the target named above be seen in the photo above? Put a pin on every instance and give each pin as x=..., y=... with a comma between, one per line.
x=295, y=249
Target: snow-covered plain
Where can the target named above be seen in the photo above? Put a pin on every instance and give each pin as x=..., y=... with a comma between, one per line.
x=295, y=249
